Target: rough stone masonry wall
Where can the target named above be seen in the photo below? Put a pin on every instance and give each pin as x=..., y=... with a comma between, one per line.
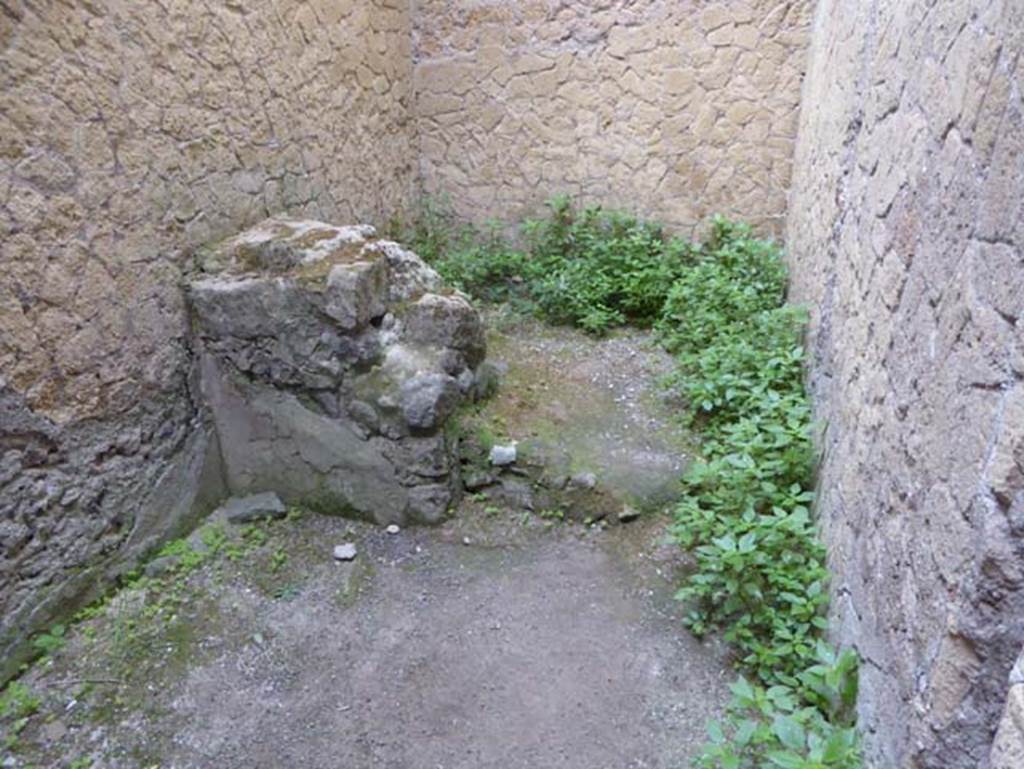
x=130, y=133
x=905, y=235
x=675, y=109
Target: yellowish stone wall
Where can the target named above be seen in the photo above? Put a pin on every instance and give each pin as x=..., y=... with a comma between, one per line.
x=130, y=134
x=674, y=109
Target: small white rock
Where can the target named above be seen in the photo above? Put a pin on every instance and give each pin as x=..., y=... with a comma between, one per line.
x=466, y=541
x=503, y=455
x=346, y=552
x=392, y=529
x=628, y=514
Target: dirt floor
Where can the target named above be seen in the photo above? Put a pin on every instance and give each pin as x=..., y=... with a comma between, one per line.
x=502, y=639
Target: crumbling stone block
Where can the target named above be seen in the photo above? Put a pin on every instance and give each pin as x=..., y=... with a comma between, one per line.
x=330, y=362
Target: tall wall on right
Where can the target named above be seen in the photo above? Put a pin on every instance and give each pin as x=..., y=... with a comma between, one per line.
x=905, y=233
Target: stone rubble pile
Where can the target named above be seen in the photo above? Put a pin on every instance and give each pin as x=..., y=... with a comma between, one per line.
x=330, y=360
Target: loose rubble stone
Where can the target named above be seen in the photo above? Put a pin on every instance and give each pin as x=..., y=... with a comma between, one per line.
x=161, y=566
x=429, y=503
x=330, y=367
x=345, y=552
x=486, y=382
x=475, y=480
x=517, y=494
x=503, y=455
x=427, y=400
x=583, y=481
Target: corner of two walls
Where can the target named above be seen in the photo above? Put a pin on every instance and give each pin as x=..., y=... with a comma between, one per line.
x=905, y=233
x=131, y=134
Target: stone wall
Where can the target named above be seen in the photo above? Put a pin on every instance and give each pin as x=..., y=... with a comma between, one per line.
x=129, y=134
x=905, y=235
x=1008, y=745
x=676, y=109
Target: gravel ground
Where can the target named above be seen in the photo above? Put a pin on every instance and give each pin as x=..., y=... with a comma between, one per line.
x=499, y=639
x=596, y=398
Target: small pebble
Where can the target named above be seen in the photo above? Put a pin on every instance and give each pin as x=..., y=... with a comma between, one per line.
x=503, y=455
x=628, y=514
x=465, y=541
x=392, y=529
x=345, y=552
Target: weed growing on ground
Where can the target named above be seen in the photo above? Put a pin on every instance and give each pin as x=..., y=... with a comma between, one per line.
x=591, y=268
x=476, y=260
x=50, y=642
x=145, y=626
x=719, y=307
x=746, y=511
x=17, y=704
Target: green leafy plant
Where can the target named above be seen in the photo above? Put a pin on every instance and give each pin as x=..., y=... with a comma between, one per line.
x=50, y=642
x=18, y=701
x=278, y=559
x=17, y=705
x=588, y=267
x=476, y=260
x=597, y=269
x=552, y=515
x=776, y=727
x=760, y=569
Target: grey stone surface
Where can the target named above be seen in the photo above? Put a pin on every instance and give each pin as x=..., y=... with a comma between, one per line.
x=583, y=481
x=446, y=321
x=83, y=502
x=515, y=493
x=330, y=369
x=501, y=456
x=429, y=503
x=628, y=514
x=428, y=400
x=474, y=479
x=486, y=382
x=255, y=507
x=905, y=236
x=1008, y=745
